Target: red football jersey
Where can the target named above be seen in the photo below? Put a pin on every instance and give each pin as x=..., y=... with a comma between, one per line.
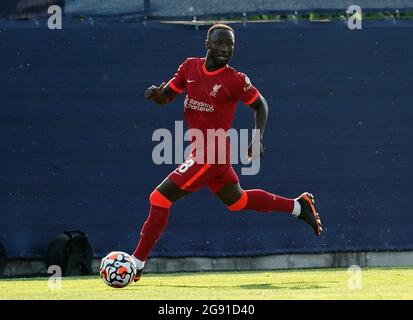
x=211, y=97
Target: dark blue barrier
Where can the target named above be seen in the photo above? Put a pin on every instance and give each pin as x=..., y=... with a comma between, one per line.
x=75, y=136
x=178, y=9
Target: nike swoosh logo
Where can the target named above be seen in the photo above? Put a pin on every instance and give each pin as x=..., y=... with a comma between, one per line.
x=189, y=81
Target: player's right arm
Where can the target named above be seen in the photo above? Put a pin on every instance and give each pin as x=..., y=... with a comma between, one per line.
x=160, y=95
x=165, y=93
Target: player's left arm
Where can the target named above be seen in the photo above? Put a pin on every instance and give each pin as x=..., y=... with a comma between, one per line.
x=260, y=107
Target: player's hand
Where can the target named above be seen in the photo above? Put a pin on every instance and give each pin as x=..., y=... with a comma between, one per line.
x=253, y=154
x=153, y=92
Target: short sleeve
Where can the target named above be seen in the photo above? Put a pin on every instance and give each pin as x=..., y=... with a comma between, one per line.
x=244, y=90
x=178, y=82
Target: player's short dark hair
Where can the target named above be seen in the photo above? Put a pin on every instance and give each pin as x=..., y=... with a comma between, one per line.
x=219, y=26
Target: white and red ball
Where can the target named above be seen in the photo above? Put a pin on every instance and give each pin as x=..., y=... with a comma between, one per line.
x=117, y=269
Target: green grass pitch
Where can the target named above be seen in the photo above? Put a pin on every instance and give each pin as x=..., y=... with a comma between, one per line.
x=374, y=283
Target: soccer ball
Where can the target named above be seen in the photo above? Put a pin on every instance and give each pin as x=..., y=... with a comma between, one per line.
x=117, y=269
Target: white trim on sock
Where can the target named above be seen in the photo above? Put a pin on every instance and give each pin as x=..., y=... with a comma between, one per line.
x=297, y=208
x=139, y=263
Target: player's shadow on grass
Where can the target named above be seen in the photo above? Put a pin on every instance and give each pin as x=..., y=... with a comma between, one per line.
x=256, y=286
x=299, y=286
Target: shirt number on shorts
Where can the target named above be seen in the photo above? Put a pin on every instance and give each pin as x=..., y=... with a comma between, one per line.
x=186, y=165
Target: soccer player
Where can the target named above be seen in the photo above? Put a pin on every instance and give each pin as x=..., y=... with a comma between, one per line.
x=212, y=91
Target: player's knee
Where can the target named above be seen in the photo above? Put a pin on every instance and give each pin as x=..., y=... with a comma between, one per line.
x=240, y=204
x=158, y=199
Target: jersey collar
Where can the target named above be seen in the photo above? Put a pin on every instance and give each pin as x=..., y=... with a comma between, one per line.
x=212, y=73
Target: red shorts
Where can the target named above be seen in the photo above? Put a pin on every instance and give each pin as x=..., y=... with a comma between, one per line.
x=191, y=176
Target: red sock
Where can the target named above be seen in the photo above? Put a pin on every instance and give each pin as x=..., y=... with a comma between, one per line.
x=151, y=231
x=263, y=201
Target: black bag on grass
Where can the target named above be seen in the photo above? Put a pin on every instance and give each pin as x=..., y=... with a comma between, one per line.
x=72, y=252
